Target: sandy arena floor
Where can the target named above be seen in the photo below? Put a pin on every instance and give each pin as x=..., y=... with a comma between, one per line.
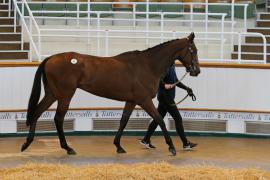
x=212, y=151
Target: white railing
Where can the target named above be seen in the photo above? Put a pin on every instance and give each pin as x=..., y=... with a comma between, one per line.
x=192, y=6
x=107, y=35
x=160, y=15
x=252, y=34
x=29, y=30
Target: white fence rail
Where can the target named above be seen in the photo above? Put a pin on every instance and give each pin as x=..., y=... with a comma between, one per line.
x=36, y=38
x=28, y=29
x=192, y=6
x=108, y=36
x=160, y=18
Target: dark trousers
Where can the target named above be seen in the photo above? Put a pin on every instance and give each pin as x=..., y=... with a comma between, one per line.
x=167, y=104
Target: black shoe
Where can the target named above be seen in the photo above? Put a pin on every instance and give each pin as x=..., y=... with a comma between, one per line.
x=146, y=144
x=189, y=146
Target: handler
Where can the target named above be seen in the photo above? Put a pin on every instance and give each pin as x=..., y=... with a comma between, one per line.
x=166, y=95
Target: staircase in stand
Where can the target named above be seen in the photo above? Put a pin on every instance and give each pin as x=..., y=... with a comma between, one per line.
x=10, y=42
x=252, y=49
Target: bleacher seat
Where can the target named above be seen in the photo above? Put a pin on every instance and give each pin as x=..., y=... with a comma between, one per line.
x=54, y=7
x=172, y=8
x=152, y=8
x=96, y=7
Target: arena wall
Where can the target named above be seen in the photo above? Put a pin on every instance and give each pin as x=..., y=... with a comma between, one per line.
x=216, y=88
x=230, y=99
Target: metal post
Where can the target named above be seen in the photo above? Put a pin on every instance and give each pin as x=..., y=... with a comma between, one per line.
x=232, y=10
x=232, y=22
x=107, y=42
x=232, y=16
x=22, y=26
x=98, y=33
x=15, y=14
x=88, y=22
x=191, y=17
x=162, y=27
x=147, y=22
x=206, y=15
x=222, y=38
x=206, y=21
x=39, y=44
x=30, y=30
x=23, y=8
x=264, y=49
x=245, y=17
x=134, y=15
x=78, y=14
x=239, y=47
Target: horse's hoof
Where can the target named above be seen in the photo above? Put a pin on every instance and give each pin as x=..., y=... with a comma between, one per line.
x=172, y=150
x=71, y=152
x=24, y=146
x=120, y=150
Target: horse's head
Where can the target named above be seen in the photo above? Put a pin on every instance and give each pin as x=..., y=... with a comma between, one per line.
x=188, y=56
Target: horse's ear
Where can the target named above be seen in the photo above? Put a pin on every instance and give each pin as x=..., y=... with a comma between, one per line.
x=191, y=37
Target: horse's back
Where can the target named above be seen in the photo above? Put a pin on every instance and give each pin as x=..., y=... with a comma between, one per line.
x=75, y=63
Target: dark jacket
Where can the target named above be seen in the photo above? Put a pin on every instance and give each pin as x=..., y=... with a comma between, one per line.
x=169, y=78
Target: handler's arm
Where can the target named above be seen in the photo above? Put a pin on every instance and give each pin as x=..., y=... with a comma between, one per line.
x=189, y=90
x=181, y=85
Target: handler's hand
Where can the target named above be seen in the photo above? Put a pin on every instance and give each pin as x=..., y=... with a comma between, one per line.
x=190, y=92
x=168, y=86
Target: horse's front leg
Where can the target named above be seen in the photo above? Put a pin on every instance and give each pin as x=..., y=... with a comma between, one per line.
x=129, y=107
x=149, y=107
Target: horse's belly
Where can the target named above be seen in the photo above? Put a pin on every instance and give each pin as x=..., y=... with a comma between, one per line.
x=115, y=92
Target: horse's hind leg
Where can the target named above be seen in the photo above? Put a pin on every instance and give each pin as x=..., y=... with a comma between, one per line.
x=62, y=108
x=129, y=107
x=149, y=107
x=44, y=104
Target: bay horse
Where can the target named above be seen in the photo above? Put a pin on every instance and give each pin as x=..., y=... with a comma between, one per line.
x=131, y=76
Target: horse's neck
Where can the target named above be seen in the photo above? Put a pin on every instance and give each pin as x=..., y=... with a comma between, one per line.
x=161, y=59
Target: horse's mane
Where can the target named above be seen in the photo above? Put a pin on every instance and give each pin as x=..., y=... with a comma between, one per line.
x=128, y=53
x=157, y=47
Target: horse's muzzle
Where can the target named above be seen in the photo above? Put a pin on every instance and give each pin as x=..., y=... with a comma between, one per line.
x=193, y=71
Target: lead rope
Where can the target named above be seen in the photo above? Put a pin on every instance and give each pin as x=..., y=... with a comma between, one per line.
x=193, y=97
x=181, y=79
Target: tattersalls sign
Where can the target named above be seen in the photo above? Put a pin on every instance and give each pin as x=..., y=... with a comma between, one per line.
x=5, y=116
x=266, y=117
x=86, y=117
x=199, y=115
x=240, y=116
x=142, y=114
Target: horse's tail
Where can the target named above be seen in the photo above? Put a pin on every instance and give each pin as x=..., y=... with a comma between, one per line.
x=35, y=94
